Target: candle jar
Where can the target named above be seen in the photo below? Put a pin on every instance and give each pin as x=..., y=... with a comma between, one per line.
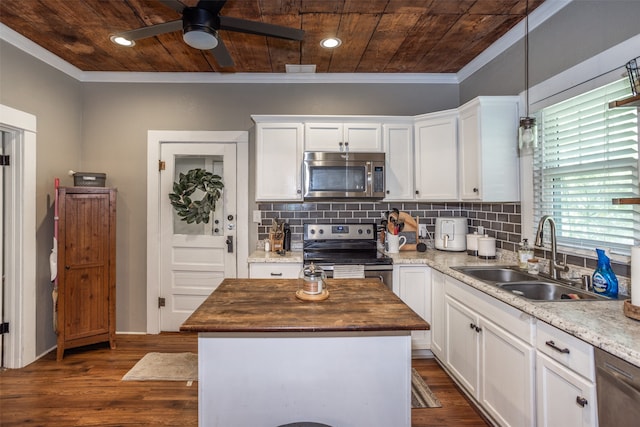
x=312, y=279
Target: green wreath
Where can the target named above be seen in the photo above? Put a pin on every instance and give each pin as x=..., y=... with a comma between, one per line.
x=196, y=210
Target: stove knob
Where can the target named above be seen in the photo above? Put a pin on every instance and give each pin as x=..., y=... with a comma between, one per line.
x=359, y=230
x=321, y=231
x=312, y=231
x=368, y=231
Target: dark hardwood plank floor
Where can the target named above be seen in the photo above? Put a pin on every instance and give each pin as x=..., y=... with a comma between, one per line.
x=85, y=389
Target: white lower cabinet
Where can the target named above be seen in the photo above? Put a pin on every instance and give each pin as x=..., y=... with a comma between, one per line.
x=274, y=270
x=566, y=390
x=413, y=285
x=438, y=332
x=489, y=350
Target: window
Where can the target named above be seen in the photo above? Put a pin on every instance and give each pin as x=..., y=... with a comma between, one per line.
x=588, y=155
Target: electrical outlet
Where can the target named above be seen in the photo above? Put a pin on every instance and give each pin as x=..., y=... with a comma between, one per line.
x=422, y=231
x=257, y=217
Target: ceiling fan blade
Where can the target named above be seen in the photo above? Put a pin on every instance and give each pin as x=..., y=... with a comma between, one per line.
x=173, y=4
x=153, y=30
x=213, y=6
x=260, y=28
x=222, y=55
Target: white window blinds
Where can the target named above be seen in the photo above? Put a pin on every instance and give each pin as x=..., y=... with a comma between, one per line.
x=588, y=155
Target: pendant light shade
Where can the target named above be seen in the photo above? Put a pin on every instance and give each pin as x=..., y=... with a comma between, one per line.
x=527, y=135
x=527, y=131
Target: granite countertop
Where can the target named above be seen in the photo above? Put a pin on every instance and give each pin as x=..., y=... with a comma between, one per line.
x=600, y=323
x=272, y=305
x=263, y=257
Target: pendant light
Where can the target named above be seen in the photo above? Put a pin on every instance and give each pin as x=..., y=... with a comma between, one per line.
x=528, y=131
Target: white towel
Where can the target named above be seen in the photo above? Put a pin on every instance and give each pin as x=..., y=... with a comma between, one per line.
x=348, y=271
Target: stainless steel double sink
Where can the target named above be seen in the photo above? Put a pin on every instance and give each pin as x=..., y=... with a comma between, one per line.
x=529, y=286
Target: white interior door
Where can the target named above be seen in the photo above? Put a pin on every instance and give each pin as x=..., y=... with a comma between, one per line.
x=2, y=245
x=195, y=258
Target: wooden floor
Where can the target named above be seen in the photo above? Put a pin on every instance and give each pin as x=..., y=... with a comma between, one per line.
x=85, y=389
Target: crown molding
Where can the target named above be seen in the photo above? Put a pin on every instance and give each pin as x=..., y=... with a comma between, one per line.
x=538, y=16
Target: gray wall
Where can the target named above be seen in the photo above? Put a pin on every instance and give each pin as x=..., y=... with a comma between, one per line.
x=571, y=36
x=102, y=127
x=55, y=99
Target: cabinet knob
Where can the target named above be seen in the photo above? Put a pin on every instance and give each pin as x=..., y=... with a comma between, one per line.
x=581, y=401
x=299, y=191
x=388, y=192
x=67, y=267
x=417, y=192
x=475, y=190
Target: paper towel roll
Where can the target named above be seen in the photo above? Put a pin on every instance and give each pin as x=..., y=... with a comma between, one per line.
x=635, y=275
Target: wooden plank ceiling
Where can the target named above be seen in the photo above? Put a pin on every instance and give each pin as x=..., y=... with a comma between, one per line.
x=379, y=36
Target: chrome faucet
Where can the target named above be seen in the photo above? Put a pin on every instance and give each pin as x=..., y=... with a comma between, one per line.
x=554, y=266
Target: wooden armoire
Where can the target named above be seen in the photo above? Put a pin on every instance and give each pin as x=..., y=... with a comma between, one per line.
x=86, y=267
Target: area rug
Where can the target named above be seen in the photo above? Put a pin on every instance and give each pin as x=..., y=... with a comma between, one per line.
x=184, y=367
x=421, y=394
x=164, y=367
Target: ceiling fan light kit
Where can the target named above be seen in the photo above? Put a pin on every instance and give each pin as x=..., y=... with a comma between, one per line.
x=198, y=25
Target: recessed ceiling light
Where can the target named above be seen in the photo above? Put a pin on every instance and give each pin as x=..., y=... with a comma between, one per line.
x=331, y=42
x=119, y=40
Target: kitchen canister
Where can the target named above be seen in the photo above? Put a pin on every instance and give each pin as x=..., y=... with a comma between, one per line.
x=487, y=247
x=472, y=243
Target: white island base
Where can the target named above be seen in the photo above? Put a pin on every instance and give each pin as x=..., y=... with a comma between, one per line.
x=342, y=379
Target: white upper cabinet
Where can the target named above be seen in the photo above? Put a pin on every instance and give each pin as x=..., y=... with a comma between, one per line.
x=279, y=161
x=436, y=157
x=335, y=136
x=398, y=147
x=488, y=149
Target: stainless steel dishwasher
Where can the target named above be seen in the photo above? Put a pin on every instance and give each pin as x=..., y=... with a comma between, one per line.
x=618, y=389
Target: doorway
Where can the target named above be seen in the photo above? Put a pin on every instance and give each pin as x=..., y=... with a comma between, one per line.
x=18, y=252
x=186, y=262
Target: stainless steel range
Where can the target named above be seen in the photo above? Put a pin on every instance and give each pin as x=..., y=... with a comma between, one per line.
x=347, y=250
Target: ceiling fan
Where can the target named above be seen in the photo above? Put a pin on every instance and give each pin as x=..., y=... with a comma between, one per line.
x=201, y=24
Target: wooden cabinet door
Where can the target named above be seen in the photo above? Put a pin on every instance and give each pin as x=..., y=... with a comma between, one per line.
x=86, y=265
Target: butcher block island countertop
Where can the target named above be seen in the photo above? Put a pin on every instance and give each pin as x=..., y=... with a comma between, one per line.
x=343, y=361
x=271, y=305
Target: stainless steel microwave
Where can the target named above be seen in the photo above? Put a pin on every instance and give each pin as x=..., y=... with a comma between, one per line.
x=343, y=175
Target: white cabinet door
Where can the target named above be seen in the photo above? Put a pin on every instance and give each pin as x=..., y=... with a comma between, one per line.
x=279, y=161
x=414, y=288
x=398, y=148
x=363, y=136
x=336, y=136
x=488, y=149
x=436, y=157
x=274, y=270
x=564, y=398
x=463, y=344
x=438, y=332
x=507, y=380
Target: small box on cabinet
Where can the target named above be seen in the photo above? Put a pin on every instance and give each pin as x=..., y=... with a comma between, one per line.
x=89, y=179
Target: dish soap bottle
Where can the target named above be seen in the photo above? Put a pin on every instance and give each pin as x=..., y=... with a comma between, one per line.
x=525, y=253
x=604, y=279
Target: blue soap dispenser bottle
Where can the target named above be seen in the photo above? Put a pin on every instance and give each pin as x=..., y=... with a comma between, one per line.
x=604, y=279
